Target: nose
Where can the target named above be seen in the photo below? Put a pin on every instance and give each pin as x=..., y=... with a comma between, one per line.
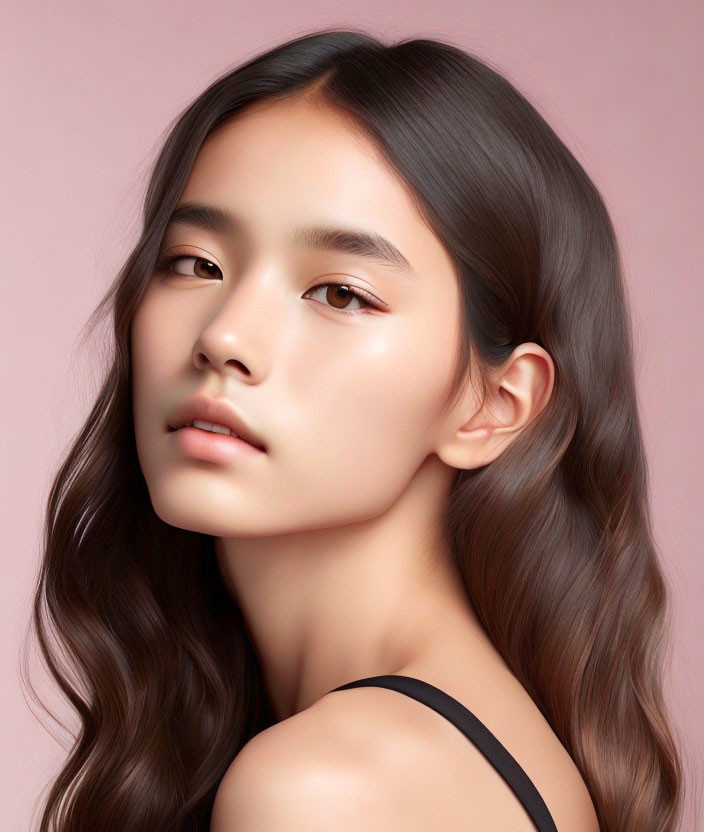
x=240, y=328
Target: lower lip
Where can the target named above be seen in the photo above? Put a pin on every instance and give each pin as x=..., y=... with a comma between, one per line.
x=212, y=447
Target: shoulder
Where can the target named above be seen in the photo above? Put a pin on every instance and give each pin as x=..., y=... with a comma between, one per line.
x=279, y=787
x=365, y=758
x=314, y=771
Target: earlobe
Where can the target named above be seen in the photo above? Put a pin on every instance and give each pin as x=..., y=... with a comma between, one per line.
x=466, y=449
x=515, y=394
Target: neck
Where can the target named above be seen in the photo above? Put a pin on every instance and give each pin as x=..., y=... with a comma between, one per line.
x=331, y=605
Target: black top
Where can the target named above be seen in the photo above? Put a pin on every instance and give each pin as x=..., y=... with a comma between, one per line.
x=474, y=730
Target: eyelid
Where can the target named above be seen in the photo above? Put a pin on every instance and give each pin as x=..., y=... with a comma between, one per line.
x=175, y=251
x=374, y=304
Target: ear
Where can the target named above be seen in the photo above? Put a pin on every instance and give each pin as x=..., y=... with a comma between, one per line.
x=515, y=394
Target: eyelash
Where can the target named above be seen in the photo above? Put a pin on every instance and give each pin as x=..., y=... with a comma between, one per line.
x=166, y=262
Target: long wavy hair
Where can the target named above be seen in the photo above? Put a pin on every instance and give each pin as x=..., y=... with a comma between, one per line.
x=553, y=538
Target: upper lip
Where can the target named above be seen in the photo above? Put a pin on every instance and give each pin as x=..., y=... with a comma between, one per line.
x=219, y=411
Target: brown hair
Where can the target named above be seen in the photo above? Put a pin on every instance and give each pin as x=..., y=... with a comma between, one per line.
x=553, y=538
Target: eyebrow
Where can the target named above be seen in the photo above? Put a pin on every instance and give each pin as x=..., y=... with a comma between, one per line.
x=359, y=243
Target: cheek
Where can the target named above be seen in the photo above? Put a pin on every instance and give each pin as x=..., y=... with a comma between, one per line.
x=357, y=429
x=145, y=346
x=160, y=347
x=152, y=364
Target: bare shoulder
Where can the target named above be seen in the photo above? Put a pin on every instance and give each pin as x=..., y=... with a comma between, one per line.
x=366, y=758
x=299, y=774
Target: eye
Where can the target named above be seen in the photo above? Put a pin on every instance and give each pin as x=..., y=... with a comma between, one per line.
x=337, y=296
x=341, y=293
x=167, y=262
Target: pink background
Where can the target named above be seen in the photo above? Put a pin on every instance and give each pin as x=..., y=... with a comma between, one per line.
x=87, y=93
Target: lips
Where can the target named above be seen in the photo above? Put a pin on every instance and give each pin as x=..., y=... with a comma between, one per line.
x=219, y=411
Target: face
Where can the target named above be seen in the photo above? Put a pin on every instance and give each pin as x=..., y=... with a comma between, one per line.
x=338, y=362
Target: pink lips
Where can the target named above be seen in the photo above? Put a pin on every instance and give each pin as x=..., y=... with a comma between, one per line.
x=218, y=411
x=212, y=447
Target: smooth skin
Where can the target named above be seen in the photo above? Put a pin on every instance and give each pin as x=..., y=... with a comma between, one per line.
x=330, y=541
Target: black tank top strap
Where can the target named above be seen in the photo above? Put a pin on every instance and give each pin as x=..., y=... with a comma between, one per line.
x=475, y=730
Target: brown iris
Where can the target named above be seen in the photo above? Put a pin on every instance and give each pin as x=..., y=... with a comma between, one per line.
x=335, y=290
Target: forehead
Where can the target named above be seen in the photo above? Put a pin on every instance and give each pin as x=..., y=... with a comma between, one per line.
x=301, y=153
x=284, y=164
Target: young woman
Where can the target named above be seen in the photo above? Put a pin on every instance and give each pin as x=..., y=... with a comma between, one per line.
x=417, y=588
